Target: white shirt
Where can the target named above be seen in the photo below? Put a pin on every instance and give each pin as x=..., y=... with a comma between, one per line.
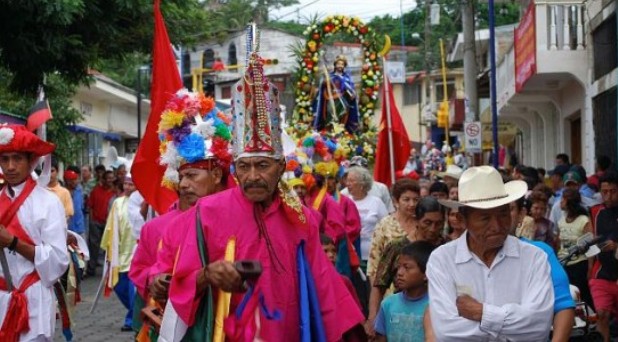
x=379, y=190
x=42, y=216
x=371, y=211
x=136, y=220
x=516, y=292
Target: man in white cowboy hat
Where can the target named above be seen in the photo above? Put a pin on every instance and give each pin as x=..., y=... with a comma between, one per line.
x=451, y=175
x=487, y=285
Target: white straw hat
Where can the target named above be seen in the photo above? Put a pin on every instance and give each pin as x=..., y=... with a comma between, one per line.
x=452, y=171
x=482, y=187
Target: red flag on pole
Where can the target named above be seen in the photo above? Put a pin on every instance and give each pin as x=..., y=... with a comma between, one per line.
x=39, y=114
x=146, y=171
x=386, y=166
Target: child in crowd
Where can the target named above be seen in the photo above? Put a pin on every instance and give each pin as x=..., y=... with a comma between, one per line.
x=328, y=245
x=401, y=315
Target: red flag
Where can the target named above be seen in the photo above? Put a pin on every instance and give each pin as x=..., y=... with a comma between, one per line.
x=401, y=142
x=39, y=114
x=146, y=171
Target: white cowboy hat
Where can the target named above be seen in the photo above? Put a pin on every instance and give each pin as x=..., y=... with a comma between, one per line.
x=452, y=171
x=482, y=187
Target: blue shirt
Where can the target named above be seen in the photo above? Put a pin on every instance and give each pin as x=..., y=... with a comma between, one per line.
x=76, y=222
x=401, y=318
x=560, y=280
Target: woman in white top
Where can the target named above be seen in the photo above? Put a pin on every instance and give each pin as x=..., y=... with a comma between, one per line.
x=572, y=225
x=371, y=209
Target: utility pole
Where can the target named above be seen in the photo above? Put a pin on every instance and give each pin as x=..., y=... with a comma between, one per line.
x=427, y=41
x=470, y=66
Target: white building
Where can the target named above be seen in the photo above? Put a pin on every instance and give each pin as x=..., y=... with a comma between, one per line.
x=562, y=93
x=109, y=112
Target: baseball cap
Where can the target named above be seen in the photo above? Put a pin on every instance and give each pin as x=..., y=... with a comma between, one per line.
x=571, y=177
x=559, y=170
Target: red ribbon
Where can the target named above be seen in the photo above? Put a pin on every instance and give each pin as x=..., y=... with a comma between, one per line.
x=16, y=319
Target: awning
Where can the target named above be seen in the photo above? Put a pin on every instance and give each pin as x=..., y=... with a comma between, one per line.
x=106, y=135
x=6, y=117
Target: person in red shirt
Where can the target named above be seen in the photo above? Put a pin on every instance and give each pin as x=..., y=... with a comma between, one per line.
x=99, y=204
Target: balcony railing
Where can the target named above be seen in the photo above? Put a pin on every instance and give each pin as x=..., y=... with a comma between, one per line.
x=565, y=24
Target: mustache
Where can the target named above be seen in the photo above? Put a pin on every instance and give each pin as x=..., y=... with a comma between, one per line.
x=255, y=185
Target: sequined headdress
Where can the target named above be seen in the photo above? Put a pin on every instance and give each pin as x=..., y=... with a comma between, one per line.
x=256, y=113
x=193, y=132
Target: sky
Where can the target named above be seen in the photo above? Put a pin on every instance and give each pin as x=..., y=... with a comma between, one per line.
x=365, y=9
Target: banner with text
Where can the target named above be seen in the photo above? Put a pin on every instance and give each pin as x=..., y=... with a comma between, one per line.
x=525, y=48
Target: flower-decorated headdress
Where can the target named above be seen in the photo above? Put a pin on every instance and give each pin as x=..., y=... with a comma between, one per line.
x=16, y=138
x=193, y=133
x=256, y=113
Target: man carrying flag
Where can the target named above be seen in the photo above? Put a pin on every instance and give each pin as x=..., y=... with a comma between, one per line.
x=33, y=235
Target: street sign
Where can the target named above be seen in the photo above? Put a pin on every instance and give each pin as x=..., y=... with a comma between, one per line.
x=472, y=134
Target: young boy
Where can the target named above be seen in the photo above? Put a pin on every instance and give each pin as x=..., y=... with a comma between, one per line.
x=401, y=315
x=328, y=245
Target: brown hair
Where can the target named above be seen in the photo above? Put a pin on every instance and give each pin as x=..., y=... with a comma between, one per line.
x=403, y=185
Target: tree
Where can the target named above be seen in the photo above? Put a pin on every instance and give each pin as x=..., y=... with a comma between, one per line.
x=41, y=37
x=59, y=94
x=261, y=8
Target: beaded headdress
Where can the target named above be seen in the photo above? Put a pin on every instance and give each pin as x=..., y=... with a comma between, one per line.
x=193, y=132
x=256, y=113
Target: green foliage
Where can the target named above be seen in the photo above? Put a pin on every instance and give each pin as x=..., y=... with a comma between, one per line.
x=68, y=37
x=59, y=94
x=450, y=25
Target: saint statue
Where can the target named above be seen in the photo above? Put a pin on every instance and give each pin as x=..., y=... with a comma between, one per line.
x=336, y=101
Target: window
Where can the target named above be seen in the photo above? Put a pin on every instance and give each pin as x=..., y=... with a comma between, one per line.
x=605, y=50
x=209, y=59
x=411, y=93
x=604, y=123
x=231, y=55
x=186, y=63
x=85, y=108
x=439, y=90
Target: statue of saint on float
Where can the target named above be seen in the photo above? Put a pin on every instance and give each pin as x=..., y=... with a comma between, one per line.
x=336, y=101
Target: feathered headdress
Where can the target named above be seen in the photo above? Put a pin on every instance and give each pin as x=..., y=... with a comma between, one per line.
x=193, y=130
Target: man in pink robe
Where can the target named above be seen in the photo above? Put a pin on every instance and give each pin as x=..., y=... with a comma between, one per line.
x=268, y=223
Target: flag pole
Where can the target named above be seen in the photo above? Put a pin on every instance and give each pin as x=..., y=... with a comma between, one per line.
x=389, y=124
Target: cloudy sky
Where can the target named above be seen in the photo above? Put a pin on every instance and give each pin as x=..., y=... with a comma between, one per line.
x=365, y=9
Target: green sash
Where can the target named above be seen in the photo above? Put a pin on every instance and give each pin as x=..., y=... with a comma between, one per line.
x=204, y=318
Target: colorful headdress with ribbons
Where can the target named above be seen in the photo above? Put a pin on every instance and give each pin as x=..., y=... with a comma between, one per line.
x=193, y=132
x=256, y=113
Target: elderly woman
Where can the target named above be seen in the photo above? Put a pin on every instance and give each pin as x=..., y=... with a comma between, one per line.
x=370, y=208
x=429, y=224
x=406, y=194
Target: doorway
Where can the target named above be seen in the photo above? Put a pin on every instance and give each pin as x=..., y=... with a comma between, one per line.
x=576, y=140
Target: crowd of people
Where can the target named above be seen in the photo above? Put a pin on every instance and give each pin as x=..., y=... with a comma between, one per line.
x=277, y=245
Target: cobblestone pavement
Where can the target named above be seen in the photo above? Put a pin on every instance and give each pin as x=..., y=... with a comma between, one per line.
x=102, y=325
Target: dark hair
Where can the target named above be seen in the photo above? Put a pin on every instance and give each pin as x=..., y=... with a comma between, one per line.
x=541, y=171
x=75, y=169
x=544, y=189
x=603, y=162
x=520, y=203
x=88, y=167
x=438, y=187
x=564, y=157
x=403, y=185
x=531, y=176
x=54, y=162
x=538, y=196
x=573, y=203
x=326, y=240
x=419, y=251
x=99, y=167
x=428, y=204
x=610, y=177
x=108, y=172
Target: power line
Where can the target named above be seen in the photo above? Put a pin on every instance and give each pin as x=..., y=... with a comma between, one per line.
x=297, y=9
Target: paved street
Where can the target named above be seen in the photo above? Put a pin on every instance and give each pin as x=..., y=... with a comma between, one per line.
x=102, y=325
